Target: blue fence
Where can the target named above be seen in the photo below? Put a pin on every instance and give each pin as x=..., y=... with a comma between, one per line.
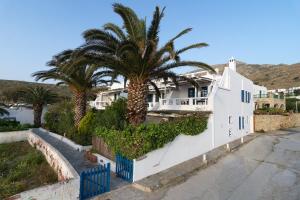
x=124, y=168
x=95, y=181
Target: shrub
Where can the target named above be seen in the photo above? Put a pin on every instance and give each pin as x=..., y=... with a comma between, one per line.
x=114, y=116
x=6, y=125
x=134, y=142
x=291, y=104
x=60, y=119
x=270, y=111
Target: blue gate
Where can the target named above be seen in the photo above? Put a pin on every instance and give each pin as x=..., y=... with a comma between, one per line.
x=94, y=181
x=124, y=168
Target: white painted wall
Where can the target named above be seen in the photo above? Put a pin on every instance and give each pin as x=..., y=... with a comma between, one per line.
x=257, y=89
x=69, y=142
x=24, y=115
x=13, y=136
x=183, y=148
x=66, y=190
x=225, y=101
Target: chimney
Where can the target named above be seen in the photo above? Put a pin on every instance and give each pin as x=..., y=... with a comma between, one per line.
x=232, y=64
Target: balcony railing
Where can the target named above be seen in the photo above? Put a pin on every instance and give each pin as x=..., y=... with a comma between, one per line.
x=184, y=104
x=275, y=96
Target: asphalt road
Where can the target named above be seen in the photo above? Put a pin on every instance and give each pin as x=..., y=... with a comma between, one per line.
x=267, y=168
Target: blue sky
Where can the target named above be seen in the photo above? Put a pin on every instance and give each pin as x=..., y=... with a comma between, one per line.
x=255, y=31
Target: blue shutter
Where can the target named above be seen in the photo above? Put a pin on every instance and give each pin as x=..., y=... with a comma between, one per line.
x=249, y=97
x=246, y=96
x=243, y=122
x=239, y=122
x=242, y=95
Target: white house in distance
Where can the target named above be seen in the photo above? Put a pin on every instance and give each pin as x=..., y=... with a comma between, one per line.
x=229, y=98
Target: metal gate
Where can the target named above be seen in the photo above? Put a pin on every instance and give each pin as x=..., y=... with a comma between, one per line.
x=94, y=181
x=124, y=168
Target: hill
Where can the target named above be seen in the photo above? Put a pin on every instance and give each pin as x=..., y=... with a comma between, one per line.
x=271, y=76
x=12, y=85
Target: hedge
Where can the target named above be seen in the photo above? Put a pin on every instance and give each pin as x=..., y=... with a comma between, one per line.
x=133, y=142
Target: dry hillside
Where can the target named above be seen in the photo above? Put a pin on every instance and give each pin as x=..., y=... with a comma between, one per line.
x=271, y=76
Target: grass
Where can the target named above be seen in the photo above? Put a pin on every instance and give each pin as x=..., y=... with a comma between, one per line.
x=22, y=168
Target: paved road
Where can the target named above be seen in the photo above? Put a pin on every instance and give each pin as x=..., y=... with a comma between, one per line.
x=267, y=168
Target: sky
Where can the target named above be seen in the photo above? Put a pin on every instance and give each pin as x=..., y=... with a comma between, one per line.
x=253, y=31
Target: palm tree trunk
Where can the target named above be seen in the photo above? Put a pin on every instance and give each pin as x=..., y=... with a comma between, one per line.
x=80, y=99
x=137, y=101
x=37, y=114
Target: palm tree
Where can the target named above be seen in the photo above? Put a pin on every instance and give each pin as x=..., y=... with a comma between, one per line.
x=134, y=53
x=2, y=110
x=38, y=97
x=79, y=75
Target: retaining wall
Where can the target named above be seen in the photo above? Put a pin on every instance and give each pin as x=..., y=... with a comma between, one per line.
x=14, y=136
x=63, y=191
x=274, y=122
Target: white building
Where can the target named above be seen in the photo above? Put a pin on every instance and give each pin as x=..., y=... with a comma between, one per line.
x=229, y=97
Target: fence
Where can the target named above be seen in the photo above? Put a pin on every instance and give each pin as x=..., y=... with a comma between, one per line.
x=94, y=181
x=124, y=168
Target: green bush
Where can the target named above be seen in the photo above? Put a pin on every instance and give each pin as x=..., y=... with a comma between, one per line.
x=6, y=126
x=133, y=142
x=270, y=111
x=60, y=119
x=114, y=116
x=291, y=104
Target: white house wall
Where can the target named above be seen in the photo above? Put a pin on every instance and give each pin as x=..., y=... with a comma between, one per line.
x=227, y=103
x=24, y=115
x=259, y=89
x=183, y=148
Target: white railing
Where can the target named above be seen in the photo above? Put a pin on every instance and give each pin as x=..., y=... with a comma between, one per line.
x=188, y=104
x=195, y=103
x=185, y=101
x=102, y=104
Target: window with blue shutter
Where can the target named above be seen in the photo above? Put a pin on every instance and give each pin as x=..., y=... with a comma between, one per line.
x=243, y=123
x=242, y=95
x=249, y=97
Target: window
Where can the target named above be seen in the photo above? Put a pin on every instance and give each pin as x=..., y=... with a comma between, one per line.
x=243, y=123
x=242, y=95
x=150, y=98
x=230, y=119
x=191, y=92
x=245, y=96
x=249, y=97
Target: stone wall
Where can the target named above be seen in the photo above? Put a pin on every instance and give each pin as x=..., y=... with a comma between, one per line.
x=275, y=122
x=56, y=160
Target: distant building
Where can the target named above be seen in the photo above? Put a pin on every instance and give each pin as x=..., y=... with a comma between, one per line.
x=264, y=98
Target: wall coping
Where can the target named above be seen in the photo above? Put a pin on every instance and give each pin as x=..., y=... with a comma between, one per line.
x=69, y=142
x=66, y=162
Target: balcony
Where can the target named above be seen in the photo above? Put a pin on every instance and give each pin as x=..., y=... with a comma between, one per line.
x=183, y=104
x=274, y=96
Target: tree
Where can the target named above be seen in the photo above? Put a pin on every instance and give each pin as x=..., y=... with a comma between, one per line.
x=3, y=111
x=79, y=74
x=134, y=53
x=38, y=97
